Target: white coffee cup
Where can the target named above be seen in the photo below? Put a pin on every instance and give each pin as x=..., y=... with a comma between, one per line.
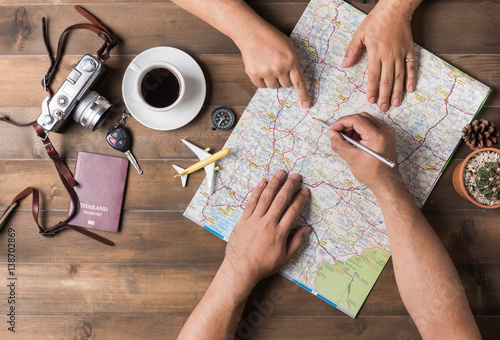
x=160, y=86
x=185, y=102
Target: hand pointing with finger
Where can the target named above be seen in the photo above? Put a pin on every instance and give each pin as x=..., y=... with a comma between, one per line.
x=268, y=54
x=271, y=61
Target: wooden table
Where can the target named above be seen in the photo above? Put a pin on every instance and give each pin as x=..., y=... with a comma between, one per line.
x=71, y=287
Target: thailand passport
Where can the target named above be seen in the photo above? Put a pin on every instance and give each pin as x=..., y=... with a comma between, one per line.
x=100, y=185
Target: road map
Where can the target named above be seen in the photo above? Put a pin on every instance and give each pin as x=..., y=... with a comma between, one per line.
x=348, y=248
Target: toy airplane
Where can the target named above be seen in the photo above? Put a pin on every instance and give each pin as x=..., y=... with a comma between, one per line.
x=207, y=161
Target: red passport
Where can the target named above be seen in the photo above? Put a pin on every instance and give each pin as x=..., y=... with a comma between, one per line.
x=100, y=185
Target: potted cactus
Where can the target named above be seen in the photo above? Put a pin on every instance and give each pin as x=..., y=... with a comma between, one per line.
x=477, y=178
x=488, y=181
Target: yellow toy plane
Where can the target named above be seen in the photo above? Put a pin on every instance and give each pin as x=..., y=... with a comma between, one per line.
x=207, y=161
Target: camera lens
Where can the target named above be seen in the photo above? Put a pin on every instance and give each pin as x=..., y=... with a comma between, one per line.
x=92, y=110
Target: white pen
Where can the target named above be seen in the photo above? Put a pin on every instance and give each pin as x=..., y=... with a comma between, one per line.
x=360, y=146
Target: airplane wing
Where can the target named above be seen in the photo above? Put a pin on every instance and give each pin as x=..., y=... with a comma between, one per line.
x=179, y=170
x=210, y=170
x=202, y=154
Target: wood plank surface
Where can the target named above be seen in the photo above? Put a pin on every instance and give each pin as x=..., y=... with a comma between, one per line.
x=71, y=287
x=160, y=237
x=233, y=89
x=434, y=26
x=126, y=289
x=227, y=71
x=158, y=190
x=167, y=143
x=233, y=86
x=271, y=327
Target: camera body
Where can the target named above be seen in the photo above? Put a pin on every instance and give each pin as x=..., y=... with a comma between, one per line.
x=76, y=96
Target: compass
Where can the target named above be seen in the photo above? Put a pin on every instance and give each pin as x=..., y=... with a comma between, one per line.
x=223, y=118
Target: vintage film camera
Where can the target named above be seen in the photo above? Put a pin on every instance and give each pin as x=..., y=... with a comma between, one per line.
x=76, y=96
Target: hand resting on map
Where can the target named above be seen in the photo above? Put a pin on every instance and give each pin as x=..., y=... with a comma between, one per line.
x=367, y=130
x=386, y=34
x=261, y=242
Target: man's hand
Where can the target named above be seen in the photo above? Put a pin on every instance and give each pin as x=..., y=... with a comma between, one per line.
x=271, y=61
x=269, y=56
x=261, y=242
x=434, y=297
x=386, y=34
x=367, y=130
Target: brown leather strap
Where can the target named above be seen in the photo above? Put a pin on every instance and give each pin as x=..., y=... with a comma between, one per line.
x=110, y=41
x=7, y=120
x=68, y=182
x=49, y=231
x=62, y=170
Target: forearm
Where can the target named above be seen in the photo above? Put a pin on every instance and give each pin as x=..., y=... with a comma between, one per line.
x=233, y=18
x=217, y=314
x=405, y=8
x=427, y=279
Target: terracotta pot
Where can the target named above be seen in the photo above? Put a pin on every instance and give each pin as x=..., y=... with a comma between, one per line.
x=458, y=179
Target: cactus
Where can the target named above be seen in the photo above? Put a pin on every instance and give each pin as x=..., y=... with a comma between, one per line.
x=488, y=180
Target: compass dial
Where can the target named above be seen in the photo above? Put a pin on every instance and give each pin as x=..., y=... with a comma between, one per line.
x=223, y=118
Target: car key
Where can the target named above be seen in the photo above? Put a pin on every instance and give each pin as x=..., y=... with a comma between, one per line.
x=119, y=138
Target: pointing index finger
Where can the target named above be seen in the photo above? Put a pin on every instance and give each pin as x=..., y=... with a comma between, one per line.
x=299, y=83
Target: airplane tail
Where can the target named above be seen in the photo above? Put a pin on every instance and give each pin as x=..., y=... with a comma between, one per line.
x=179, y=170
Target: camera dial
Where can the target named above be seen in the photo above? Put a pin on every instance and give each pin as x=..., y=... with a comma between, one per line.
x=48, y=119
x=88, y=65
x=62, y=101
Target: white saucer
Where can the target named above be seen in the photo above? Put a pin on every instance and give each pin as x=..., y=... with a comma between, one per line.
x=193, y=98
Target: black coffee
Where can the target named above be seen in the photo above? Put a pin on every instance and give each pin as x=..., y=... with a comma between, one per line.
x=160, y=87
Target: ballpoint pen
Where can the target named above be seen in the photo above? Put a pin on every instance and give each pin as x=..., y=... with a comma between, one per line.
x=360, y=146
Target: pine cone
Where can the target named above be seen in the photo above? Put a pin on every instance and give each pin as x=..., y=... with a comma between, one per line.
x=480, y=134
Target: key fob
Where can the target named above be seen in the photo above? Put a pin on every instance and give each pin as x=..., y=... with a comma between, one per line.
x=119, y=138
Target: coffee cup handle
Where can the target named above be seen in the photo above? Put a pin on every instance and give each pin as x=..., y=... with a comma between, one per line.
x=134, y=67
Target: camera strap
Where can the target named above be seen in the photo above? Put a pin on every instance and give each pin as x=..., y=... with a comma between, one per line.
x=65, y=175
x=110, y=41
x=68, y=182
